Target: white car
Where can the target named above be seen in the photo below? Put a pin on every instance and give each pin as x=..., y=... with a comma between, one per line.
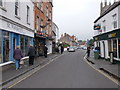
x=84, y=48
x=71, y=49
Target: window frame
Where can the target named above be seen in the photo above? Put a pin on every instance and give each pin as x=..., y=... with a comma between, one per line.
x=28, y=15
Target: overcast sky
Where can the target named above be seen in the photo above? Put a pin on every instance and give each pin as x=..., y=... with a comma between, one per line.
x=76, y=17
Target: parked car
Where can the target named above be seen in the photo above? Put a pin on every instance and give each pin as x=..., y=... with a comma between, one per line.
x=71, y=49
x=84, y=48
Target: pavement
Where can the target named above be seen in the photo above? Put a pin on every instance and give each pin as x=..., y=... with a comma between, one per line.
x=10, y=73
x=107, y=66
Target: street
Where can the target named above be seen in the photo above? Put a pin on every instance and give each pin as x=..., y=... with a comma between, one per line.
x=68, y=71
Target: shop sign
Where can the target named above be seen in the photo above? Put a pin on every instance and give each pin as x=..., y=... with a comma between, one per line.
x=97, y=27
x=96, y=38
x=112, y=35
x=9, y=25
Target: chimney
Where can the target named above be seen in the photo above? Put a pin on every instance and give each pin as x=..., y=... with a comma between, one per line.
x=101, y=7
x=109, y=3
x=105, y=3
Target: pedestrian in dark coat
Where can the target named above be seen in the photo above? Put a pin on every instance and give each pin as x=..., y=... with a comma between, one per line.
x=45, y=51
x=31, y=54
x=88, y=52
x=62, y=49
x=17, y=56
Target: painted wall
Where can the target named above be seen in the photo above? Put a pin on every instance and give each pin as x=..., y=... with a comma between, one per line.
x=8, y=11
x=109, y=19
x=119, y=16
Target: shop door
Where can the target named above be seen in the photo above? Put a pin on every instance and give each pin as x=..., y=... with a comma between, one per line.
x=6, y=47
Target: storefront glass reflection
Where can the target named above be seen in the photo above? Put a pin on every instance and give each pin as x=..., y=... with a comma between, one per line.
x=115, y=48
x=6, y=49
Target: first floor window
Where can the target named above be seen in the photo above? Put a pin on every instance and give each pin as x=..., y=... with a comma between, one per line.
x=16, y=8
x=28, y=14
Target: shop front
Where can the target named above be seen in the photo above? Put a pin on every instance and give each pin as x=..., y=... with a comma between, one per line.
x=8, y=43
x=112, y=44
x=39, y=43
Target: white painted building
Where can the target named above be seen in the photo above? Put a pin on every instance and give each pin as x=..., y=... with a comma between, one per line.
x=16, y=27
x=107, y=35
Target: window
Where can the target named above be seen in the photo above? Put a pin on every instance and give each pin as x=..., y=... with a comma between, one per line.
x=38, y=5
x=115, y=48
x=50, y=15
x=104, y=25
x=22, y=43
x=41, y=7
x=28, y=14
x=41, y=24
x=47, y=11
x=16, y=8
x=114, y=23
x=6, y=46
x=47, y=29
x=37, y=23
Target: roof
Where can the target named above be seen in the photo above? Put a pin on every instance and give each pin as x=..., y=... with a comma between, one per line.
x=113, y=6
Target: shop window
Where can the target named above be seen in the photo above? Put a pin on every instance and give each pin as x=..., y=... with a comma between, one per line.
x=26, y=46
x=119, y=47
x=6, y=45
x=109, y=46
x=115, y=48
x=22, y=44
x=0, y=46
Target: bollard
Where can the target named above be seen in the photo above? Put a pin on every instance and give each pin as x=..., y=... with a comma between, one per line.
x=111, y=57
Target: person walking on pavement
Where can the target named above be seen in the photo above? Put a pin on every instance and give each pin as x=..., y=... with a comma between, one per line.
x=62, y=49
x=17, y=56
x=45, y=51
x=88, y=52
x=31, y=54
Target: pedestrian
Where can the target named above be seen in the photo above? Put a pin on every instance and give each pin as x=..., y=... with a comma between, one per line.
x=31, y=54
x=62, y=49
x=17, y=56
x=45, y=51
x=59, y=49
x=88, y=52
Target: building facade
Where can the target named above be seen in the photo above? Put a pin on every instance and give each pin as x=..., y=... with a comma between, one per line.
x=55, y=36
x=16, y=28
x=67, y=39
x=107, y=30
x=43, y=26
